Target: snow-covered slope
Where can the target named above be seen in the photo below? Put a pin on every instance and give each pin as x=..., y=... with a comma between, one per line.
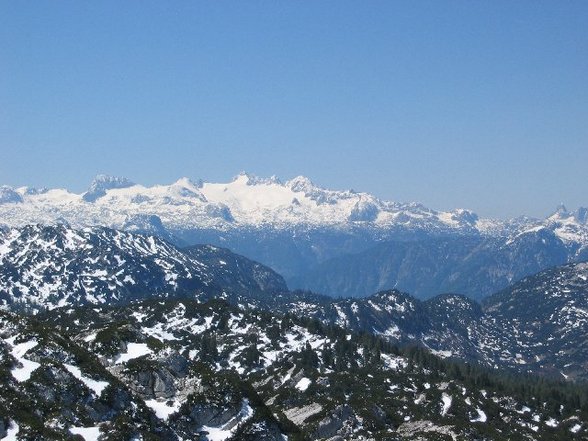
x=544, y=321
x=55, y=266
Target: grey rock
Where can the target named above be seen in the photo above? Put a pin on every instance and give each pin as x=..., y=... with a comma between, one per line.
x=206, y=415
x=101, y=183
x=8, y=195
x=340, y=423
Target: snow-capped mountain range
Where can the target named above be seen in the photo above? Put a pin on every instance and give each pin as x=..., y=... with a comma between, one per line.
x=295, y=226
x=246, y=201
x=252, y=202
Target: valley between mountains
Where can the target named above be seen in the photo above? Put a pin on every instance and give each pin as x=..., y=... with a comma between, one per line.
x=125, y=314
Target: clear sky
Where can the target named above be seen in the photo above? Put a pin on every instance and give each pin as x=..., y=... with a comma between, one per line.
x=474, y=104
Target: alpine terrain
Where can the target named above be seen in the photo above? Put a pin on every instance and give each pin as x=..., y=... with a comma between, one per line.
x=340, y=243
x=108, y=334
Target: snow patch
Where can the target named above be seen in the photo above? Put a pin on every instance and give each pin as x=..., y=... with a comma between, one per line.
x=552, y=422
x=90, y=338
x=88, y=433
x=11, y=431
x=446, y=403
x=139, y=316
x=482, y=418
x=228, y=430
x=392, y=332
x=159, y=332
x=24, y=372
x=392, y=362
x=442, y=354
x=96, y=386
x=162, y=409
x=303, y=384
x=134, y=350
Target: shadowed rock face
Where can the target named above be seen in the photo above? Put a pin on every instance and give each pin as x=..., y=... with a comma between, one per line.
x=340, y=423
x=9, y=196
x=476, y=267
x=231, y=269
x=101, y=183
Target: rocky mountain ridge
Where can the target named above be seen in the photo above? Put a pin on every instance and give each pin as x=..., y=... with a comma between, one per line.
x=60, y=267
x=503, y=332
x=45, y=267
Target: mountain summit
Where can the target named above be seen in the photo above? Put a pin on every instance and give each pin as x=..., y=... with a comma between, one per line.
x=102, y=183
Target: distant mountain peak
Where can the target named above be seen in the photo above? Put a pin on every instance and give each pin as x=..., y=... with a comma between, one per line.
x=103, y=182
x=187, y=182
x=34, y=191
x=580, y=216
x=463, y=215
x=251, y=179
x=300, y=183
x=109, y=181
x=9, y=195
x=561, y=210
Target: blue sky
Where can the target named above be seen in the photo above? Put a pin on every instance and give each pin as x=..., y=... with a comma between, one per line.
x=482, y=105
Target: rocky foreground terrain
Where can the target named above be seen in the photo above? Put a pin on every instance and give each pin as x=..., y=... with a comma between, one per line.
x=180, y=369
